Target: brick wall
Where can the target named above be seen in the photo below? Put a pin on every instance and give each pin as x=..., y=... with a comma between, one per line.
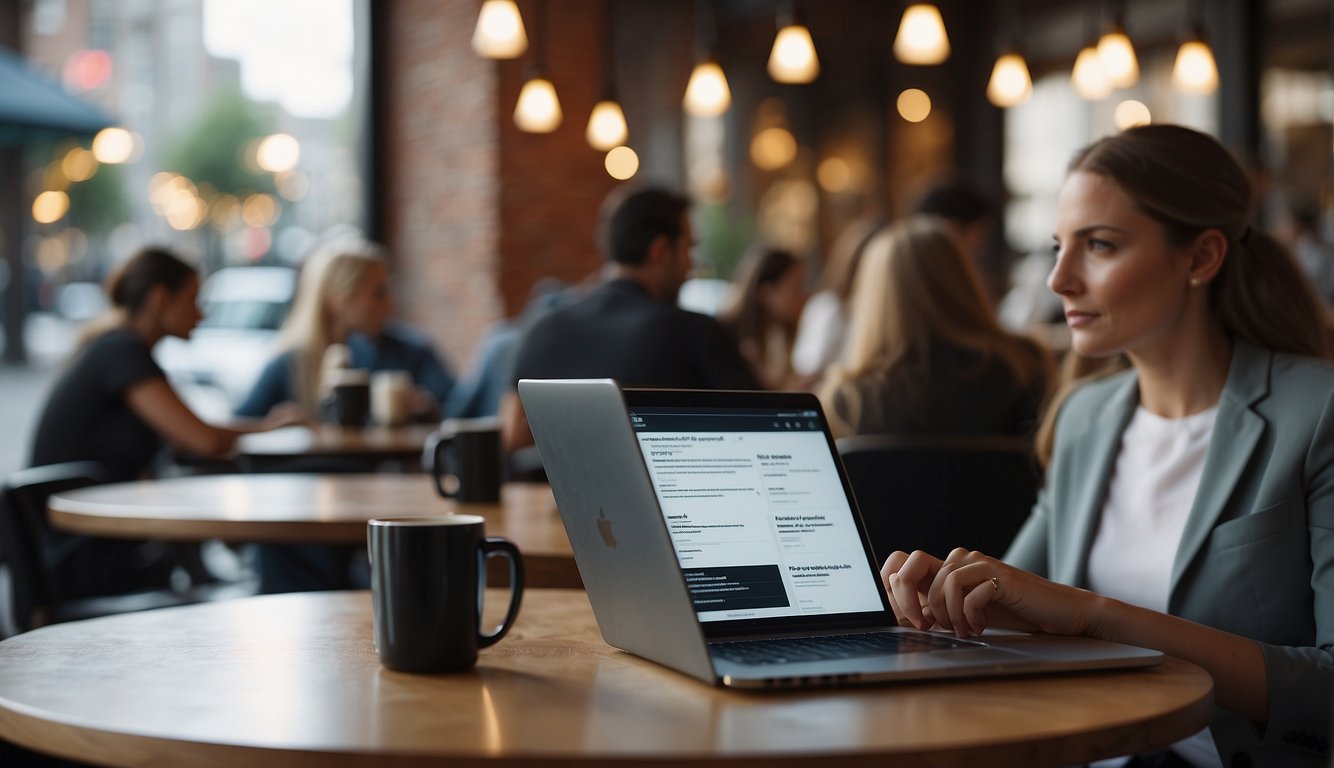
x=476, y=211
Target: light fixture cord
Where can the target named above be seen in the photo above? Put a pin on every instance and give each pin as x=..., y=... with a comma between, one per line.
x=609, y=51
x=539, y=35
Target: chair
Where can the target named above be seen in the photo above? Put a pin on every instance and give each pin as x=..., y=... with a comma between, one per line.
x=938, y=493
x=34, y=593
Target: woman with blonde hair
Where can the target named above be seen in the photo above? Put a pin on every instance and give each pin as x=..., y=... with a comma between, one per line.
x=924, y=354
x=1189, y=502
x=343, y=299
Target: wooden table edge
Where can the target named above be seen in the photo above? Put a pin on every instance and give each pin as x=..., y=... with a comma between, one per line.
x=80, y=740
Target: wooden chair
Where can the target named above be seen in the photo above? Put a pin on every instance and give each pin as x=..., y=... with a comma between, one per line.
x=33, y=551
x=938, y=493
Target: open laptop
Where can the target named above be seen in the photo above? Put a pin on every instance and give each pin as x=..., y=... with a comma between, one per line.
x=716, y=534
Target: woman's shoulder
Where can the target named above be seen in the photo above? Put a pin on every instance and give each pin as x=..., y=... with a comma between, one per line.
x=1295, y=379
x=1092, y=396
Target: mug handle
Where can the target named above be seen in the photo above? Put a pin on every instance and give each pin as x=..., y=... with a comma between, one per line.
x=438, y=454
x=490, y=547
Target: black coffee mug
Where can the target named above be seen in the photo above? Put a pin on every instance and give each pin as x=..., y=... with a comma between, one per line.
x=350, y=397
x=428, y=576
x=465, y=460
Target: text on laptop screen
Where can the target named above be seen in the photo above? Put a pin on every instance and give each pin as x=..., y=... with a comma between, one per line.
x=756, y=511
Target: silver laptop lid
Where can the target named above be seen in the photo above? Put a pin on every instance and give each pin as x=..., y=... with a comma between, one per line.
x=611, y=515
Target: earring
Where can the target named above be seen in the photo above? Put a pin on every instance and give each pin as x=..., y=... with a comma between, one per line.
x=1195, y=282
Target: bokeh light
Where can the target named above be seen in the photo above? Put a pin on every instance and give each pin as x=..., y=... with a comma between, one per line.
x=79, y=164
x=50, y=207
x=260, y=211
x=914, y=105
x=1131, y=113
x=113, y=145
x=773, y=148
x=622, y=163
x=834, y=174
x=278, y=153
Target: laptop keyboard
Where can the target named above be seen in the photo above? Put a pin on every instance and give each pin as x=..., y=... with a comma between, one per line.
x=833, y=647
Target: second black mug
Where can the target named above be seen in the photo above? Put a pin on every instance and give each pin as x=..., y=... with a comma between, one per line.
x=466, y=462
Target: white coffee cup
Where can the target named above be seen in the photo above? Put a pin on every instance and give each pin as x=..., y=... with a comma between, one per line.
x=389, y=397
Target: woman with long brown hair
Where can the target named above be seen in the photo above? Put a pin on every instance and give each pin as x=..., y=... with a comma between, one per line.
x=113, y=405
x=769, y=292
x=924, y=353
x=1189, y=503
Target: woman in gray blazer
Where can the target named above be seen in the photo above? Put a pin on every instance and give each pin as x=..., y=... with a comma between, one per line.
x=1189, y=503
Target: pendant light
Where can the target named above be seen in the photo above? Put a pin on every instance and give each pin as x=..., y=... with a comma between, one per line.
x=499, y=33
x=921, y=38
x=1010, y=83
x=793, y=58
x=606, y=123
x=1088, y=77
x=1117, y=55
x=707, y=94
x=1195, y=70
x=538, y=109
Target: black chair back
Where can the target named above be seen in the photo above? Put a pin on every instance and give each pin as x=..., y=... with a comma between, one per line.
x=26, y=537
x=104, y=574
x=938, y=493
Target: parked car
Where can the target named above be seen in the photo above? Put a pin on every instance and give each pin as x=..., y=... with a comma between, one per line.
x=243, y=309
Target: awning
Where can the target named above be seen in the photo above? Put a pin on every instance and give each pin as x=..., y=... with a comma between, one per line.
x=34, y=107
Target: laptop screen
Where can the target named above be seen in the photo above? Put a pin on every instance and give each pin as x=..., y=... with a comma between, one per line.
x=757, y=511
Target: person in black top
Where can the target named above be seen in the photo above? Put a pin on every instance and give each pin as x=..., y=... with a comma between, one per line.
x=629, y=328
x=113, y=404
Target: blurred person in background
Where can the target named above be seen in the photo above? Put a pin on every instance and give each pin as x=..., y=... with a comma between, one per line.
x=479, y=393
x=768, y=295
x=925, y=355
x=1315, y=255
x=112, y=404
x=629, y=327
x=970, y=212
x=343, y=298
x=824, y=319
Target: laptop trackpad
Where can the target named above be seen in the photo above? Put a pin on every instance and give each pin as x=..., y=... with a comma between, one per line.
x=974, y=657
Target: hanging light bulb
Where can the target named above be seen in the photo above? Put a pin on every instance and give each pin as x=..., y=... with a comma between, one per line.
x=793, y=58
x=538, y=110
x=1118, y=57
x=606, y=125
x=1010, y=84
x=1088, y=77
x=707, y=94
x=499, y=33
x=1195, y=70
x=921, y=38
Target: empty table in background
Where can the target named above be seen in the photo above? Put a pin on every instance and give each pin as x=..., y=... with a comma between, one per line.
x=301, y=508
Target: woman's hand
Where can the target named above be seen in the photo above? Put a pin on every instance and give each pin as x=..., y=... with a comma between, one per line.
x=284, y=415
x=969, y=591
x=422, y=405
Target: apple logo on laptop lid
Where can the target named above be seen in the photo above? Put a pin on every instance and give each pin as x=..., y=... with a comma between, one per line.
x=604, y=528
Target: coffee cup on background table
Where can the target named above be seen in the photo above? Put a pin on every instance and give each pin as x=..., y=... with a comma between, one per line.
x=427, y=586
x=391, y=393
x=465, y=460
x=349, y=397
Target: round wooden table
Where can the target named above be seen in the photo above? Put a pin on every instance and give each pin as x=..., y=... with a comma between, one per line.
x=300, y=508
x=293, y=680
x=369, y=445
